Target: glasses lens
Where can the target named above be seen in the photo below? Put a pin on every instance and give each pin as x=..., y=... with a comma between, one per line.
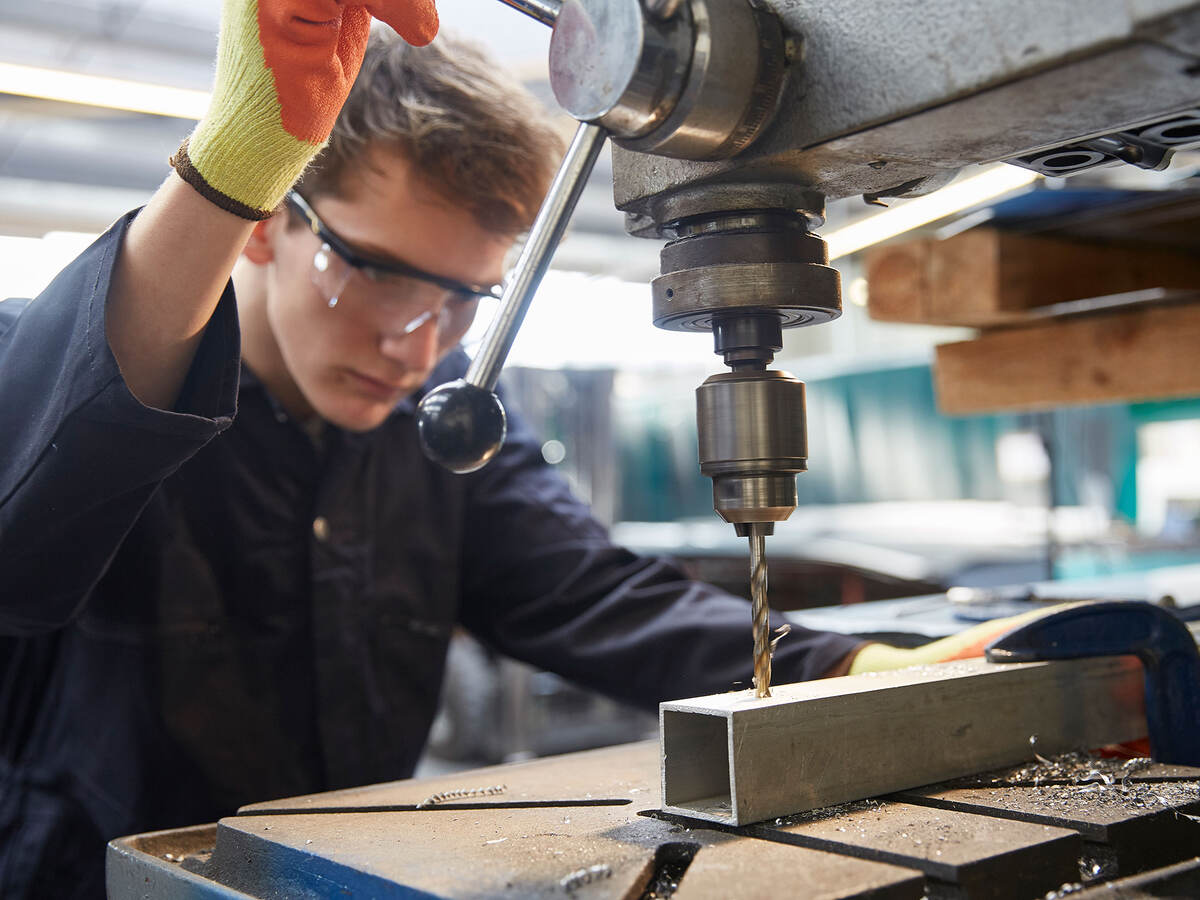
x=458, y=318
x=483, y=312
x=402, y=304
x=330, y=274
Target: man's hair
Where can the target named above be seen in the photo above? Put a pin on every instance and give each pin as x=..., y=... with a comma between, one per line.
x=474, y=137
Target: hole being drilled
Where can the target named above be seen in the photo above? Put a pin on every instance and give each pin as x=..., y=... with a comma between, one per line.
x=670, y=863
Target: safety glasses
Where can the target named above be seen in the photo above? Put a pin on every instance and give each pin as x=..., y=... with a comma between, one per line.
x=406, y=296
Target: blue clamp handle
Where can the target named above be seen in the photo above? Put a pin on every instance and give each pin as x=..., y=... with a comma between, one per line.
x=1126, y=627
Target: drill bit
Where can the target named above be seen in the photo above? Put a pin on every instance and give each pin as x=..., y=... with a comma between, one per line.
x=760, y=610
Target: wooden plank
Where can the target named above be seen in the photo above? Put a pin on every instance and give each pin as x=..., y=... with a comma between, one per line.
x=735, y=759
x=980, y=856
x=1104, y=358
x=986, y=277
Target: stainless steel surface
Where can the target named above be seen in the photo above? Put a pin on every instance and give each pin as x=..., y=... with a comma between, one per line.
x=544, y=11
x=760, y=610
x=743, y=498
x=547, y=231
x=894, y=92
x=613, y=65
x=752, y=443
x=843, y=739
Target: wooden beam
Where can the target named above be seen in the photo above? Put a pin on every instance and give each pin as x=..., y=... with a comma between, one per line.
x=733, y=759
x=986, y=277
x=1138, y=354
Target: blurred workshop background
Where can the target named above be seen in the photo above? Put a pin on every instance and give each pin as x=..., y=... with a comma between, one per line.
x=901, y=499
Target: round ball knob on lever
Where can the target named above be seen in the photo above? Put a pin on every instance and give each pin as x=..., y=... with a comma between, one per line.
x=461, y=426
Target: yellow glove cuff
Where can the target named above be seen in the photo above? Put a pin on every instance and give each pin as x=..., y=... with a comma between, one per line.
x=968, y=644
x=240, y=157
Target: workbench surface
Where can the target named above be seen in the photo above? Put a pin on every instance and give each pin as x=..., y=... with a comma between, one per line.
x=586, y=825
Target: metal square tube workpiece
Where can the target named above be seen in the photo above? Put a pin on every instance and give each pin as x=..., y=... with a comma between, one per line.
x=734, y=759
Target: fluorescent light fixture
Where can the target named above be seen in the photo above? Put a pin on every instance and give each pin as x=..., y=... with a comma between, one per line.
x=97, y=90
x=909, y=214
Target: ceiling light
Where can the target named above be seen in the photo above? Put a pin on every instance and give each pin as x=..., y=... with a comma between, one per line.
x=97, y=90
x=909, y=214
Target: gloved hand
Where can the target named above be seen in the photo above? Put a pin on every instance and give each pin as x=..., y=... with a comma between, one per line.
x=284, y=69
x=964, y=645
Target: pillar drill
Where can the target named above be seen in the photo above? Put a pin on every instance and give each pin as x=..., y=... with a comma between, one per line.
x=732, y=122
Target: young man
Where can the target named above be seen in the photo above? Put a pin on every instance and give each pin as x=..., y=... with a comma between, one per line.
x=201, y=610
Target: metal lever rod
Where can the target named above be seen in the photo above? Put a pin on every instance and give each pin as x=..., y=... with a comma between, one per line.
x=544, y=237
x=545, y=11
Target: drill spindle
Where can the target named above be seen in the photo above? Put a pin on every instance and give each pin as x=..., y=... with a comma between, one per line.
x=761, y=612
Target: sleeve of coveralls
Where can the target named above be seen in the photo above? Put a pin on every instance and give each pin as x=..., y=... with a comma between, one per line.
x=81, y=454
x=545, y=584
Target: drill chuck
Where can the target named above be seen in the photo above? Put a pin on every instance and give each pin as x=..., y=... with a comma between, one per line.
x=753, y=443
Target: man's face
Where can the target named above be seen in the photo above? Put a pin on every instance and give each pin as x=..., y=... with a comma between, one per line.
x=350, y=363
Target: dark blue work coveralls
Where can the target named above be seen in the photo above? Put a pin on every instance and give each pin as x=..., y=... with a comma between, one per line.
x=176, y=639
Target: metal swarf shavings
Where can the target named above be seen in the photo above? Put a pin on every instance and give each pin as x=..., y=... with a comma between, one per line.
x=576, y=880
x=1064, y=890
x=1129, y=797
x=461, y=794
x=1066, y=768
x=1066, y=780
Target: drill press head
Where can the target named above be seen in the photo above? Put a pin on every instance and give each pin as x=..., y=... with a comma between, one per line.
x=745, y=276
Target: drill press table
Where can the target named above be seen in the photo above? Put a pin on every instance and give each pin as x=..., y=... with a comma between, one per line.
x=577, y=826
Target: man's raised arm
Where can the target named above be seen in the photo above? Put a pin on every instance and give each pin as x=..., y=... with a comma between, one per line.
x=284, y=68
x=170, y=273
x=127, y=364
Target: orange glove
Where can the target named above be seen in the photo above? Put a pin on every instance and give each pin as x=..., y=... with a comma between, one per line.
x=284, y=69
